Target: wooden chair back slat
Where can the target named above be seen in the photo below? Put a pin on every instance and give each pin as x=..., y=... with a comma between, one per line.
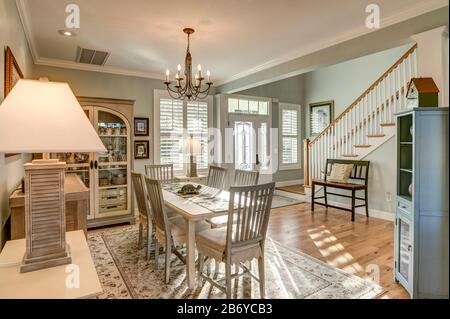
x=140, y=193
x=242, y=178
x=162, y=172
x=216, y=177
x=157, y=203
x=248, y=214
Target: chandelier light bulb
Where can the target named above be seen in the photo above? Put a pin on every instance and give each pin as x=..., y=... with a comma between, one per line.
x=167, y=75
x=199, y=67
x=179, y=67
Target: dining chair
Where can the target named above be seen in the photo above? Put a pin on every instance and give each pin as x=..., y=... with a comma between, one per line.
x=161, y=172
x=216, y=177
x=244, y=237
x=145, y=217
x=169, y=232
x=241, y=178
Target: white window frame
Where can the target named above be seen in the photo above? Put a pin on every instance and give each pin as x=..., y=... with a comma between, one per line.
x=296, y=107
x=163, y=94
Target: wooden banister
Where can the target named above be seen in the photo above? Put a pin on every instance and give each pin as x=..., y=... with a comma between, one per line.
x=349, y=108
x=306, y=176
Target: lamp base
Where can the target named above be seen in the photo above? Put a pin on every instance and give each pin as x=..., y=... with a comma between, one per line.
x=45, y=216
x=48, y=261
x=192, y=167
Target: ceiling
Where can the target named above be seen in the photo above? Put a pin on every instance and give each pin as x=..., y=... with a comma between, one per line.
x=233, y=38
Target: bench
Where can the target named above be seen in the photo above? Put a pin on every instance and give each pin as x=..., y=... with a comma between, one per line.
x=360, y=173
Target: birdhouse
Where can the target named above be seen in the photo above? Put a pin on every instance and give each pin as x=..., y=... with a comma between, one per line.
x=422, y=92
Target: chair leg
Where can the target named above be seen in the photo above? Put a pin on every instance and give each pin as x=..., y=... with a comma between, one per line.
x=228, y=278
x=313, y=192
x=140, y=235
x=149, y=240
x=366, y=196
x=200, y=269
x=262, y=277
x=167, y=265
x=353, y=205
x=156, y=254
x=216, y=269
x=325, y=194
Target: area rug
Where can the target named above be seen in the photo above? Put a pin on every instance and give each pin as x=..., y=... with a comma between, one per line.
x=124, y=272
x=282, y=201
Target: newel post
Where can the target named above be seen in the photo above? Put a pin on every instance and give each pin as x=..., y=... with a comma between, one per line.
x=306, y=168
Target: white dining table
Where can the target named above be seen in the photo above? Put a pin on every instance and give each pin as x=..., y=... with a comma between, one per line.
x=193, y=212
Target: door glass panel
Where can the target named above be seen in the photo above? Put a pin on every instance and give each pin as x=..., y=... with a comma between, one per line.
x=112, y=192
x=243, y=132
x=263, y=146
x=113, y=133
x=404, y=249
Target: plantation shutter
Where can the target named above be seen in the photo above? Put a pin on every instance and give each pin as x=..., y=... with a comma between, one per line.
x=197, y=126
x=289, y=131
x=171, y=132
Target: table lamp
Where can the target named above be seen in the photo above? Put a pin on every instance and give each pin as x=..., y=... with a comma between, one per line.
x=43, y=117
x=193, y=148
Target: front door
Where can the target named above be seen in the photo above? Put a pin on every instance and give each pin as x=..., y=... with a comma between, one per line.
x=251, y=145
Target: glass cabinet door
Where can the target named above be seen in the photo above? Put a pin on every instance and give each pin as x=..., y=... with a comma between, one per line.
x=404, y=251
x=112, y=169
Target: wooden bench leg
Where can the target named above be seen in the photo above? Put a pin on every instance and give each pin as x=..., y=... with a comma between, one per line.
x=325, y=194
x=366, y=196
x=353, y=205
x=313, y=192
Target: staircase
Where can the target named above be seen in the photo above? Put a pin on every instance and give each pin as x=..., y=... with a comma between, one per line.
x=366, y=124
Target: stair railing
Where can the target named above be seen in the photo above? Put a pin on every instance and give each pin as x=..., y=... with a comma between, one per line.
x=363, y=119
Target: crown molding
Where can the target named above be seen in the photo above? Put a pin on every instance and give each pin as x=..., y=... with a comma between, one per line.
x=94, y=68
x=410, y=13
x=419, y=9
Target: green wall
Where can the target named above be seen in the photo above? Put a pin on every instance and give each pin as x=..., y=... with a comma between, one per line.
x=12, y=35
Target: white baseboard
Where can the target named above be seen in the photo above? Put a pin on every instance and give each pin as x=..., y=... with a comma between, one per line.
x=289, y=183
x=376, y=213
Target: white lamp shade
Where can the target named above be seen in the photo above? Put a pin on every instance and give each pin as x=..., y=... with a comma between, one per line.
x=45, y=117
x=192, y=146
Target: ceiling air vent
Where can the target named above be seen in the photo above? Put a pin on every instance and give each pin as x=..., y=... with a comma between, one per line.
x=93, y=57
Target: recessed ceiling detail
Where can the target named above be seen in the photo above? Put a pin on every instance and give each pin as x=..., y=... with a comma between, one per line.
x=235, y=38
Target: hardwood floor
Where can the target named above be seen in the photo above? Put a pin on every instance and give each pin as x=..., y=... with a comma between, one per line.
x=296, y=189
x=329, y=235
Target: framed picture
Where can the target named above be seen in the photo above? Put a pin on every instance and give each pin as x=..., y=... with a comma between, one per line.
x=141, y=150
x=320, y=116
x=141, y=126
x=12, y=75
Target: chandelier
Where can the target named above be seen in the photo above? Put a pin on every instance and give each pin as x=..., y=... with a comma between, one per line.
x=190, y=88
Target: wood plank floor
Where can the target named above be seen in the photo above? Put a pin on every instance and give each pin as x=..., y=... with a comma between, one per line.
x=330, y=236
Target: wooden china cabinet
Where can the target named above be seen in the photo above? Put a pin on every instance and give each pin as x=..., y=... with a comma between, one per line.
x=107, y=175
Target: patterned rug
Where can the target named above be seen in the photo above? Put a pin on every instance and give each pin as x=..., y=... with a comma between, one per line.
x=282, y=201
x=125, y=273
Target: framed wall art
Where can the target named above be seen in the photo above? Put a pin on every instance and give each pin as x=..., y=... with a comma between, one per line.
x=141, y=126
x=13, y=74
x=141, y=150
x=320, y=116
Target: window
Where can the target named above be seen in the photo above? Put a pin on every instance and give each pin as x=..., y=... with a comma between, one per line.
x=174, y=122
x=246, y=106
x=289, y=136
x=171, y=132
x=197, y=126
